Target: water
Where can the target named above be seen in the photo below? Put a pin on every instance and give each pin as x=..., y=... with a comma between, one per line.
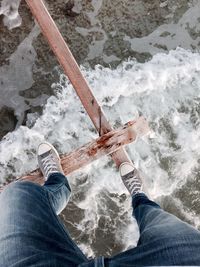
x=166, y=90
x=9, y=9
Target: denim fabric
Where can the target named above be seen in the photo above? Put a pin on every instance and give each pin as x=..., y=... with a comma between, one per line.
x=164, y=239
x=31, y=233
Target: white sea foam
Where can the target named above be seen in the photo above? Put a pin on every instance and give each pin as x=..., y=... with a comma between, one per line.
x=166, y=90
x=184, y=33
x=17, y=75
x=9, y=8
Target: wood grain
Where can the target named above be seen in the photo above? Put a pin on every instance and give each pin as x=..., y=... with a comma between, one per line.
x=72, y=70
x=102, y=146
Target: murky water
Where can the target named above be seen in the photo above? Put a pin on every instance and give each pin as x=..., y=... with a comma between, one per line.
x=165, y=89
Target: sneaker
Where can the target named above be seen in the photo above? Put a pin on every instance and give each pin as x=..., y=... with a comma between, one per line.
x=49, y=160
x=131, y=178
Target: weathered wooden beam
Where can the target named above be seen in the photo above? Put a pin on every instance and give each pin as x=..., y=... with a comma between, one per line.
x=72, y=70
x=104, y=145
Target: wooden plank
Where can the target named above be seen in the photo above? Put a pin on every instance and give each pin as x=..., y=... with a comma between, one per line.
x=73, y=72
x=104, y=145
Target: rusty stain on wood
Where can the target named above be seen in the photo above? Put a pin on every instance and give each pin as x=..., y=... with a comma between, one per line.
x=72, y=70
x=104, y=145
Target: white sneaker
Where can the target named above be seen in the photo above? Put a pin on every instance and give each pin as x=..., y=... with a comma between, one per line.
x=48, y=159
x=131, y=178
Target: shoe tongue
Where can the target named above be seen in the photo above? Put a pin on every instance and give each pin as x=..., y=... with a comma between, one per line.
x=44, y=155
x=129, y=175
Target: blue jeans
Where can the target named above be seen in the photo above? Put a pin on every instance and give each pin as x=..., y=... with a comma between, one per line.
x=31, y=233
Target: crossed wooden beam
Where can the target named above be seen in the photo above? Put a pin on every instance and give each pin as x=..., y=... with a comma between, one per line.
x=107, y=144
x=111, y=141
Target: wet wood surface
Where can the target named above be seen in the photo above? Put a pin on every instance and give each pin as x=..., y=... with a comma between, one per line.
x=102, y=146
x=73, y=72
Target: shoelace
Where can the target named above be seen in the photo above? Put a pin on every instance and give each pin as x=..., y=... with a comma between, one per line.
x=133, y=183
x=49, y=165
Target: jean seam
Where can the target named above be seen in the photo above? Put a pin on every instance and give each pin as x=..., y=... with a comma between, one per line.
x=60, y=224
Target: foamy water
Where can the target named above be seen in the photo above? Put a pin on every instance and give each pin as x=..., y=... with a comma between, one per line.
x=166, y=91
x=9, y=8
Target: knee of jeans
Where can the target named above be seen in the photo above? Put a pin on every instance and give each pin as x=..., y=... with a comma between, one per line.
x=17, y=191
x=17, y=185
x=12, y=188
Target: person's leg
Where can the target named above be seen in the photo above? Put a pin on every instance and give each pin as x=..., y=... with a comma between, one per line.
x=58, y=191
x=31, y=234
x=164, y=239
x=156, y=224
